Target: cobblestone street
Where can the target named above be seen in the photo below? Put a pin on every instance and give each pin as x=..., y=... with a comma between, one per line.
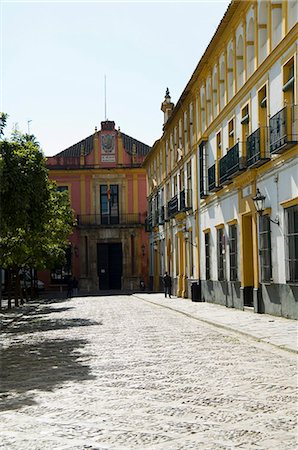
x=117, y=372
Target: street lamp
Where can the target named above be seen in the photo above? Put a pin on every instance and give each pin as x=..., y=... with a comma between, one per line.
x=259, y=202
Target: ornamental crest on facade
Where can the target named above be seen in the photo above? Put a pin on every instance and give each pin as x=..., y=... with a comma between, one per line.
x=107, y=144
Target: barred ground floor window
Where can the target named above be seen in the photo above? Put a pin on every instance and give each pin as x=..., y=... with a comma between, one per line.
x=220, y=254
x=265, y=248
x=207, y=256
x=292, y=243
x=233, y=243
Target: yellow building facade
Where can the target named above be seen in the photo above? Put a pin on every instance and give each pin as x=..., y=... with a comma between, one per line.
x=230, y=141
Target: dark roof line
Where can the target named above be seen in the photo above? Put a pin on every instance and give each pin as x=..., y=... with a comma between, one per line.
x=86, y=144
x=128, y=142
x=75, y=150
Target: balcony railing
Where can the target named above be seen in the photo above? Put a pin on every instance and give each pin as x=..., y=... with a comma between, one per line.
x=98, y=220
x=257, y=152
x=284, y=129
x=212, y=182
x=173, y=206
x=231, y=164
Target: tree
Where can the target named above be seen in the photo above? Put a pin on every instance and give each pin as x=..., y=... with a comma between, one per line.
x=3, y=120
x=35, y=219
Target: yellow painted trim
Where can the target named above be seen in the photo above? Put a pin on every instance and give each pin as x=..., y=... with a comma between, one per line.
x=267, y=212
x=232, y=222
x=255, y=250
x=291, y=54
x=276, y=5
x=284, y=18
x=219, y=226
x=83, y=193
x=125, y=196
x=256, y=19
x=135, y=193
x=289, y=203
x=96, y=147
x=197, y=265
x=206, y=230
x=120, y=149
x=269, y=35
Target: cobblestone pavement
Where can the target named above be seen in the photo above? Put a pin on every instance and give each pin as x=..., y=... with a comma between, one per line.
x=117, y=372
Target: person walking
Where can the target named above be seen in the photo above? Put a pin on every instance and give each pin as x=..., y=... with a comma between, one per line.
x=75, y=285
x=167, y=281
x=69, y=287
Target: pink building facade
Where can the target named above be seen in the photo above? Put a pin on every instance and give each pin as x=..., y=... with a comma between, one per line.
x=106, y=183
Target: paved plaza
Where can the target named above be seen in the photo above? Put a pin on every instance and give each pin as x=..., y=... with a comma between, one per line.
x=141, y=372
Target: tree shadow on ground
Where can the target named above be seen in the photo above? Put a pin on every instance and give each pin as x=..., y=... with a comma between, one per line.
x=36, y=323
x=42, y=366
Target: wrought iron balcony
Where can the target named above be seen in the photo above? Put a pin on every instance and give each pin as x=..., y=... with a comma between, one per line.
x=283, y=128
x=108, y=221
x=230, y=165
x=257, y=148
x=212, y=182
x=173, y=206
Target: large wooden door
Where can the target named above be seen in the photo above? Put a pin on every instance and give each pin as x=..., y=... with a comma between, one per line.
x=109, y=265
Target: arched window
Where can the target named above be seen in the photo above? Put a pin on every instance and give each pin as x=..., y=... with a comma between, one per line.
x=263, y=30
x=250, y=45
x=203, y=112
x=215, y=91
x=208, y=101
x=240, y=62
x=222, y=87
x=230, y=73
x=276, y=23
x=292, y=13
x=191, y=127
x=185, y=131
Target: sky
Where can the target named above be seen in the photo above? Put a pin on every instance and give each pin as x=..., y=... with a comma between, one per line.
x=55, y=57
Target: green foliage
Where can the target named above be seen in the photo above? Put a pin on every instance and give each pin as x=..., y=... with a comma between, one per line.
x=3, y=120
x=35, y=219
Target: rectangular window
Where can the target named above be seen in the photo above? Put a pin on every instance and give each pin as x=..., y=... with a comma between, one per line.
x=62, y=188
x=189, y=189
x=233, y=252
x=292, y=241
x=231, y=129
x=109, y=206
x=245, y=123
x=265, y=248
x=203, y=169
x=207, y=255
x=220, y=253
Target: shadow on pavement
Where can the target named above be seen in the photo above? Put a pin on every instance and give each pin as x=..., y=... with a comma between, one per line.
x=35, y=323
x=42, y=366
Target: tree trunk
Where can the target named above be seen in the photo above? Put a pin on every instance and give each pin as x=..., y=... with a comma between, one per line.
x=9, y=288
x=16, y=287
